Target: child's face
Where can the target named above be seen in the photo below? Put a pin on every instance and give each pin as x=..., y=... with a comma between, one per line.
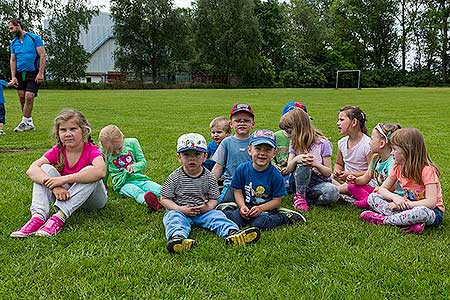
x=242, y=123
x=191, y=161
x=377, y=141
x=70, y=133
x=116, y=146
x=218, y=133
x=261, y=155
x=344, y=123
x=399, y=157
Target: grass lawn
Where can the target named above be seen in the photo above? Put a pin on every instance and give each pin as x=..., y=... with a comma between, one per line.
x=119, y=252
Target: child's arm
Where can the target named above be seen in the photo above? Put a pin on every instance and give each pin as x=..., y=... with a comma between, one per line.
x=360, y=180
x=190, y=211
x=339, y=166
x=140, y=163
x=86, y=175
x=430, y=200
x=293, y=160
x=217, y=170
x=267, y=206
x=35, y=172
x=239, y=198
x=384, y=191
x=325, y=168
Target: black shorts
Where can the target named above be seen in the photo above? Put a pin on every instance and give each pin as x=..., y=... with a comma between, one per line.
x=2, y=113
x=27, y=82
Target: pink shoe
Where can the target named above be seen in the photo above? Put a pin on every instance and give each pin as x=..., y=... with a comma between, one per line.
x=361, y=204
x=415, y=228
x=51, y=227
x=372, y=217
x=300, y=202
x=152, y=201
x=29, y=228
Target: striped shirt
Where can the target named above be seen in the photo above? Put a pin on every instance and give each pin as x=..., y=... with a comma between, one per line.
x=186, y=190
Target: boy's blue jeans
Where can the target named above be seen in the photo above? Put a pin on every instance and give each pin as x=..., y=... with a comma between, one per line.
x=177, y=223
x=266, y=220
x=136, y=189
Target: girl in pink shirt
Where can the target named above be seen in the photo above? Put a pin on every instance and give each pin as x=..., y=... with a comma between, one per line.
x=69, y=174
x=419, y=178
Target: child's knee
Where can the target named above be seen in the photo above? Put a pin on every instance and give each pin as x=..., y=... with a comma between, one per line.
x=50, y=170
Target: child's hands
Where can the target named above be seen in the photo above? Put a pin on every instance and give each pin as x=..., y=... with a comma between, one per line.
x=305, y=159
x=61, y=193
x=52, y=182
x=255, y=211
x=205, y=207
x=244, y=211
x=11, y=83
x=283, y=171
x=351, y=178
x=342, y=175
x=129, y=169
x=191, y=211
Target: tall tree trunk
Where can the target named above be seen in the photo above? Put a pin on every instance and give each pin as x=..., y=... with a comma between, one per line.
x=403, y=39
x=444, y=54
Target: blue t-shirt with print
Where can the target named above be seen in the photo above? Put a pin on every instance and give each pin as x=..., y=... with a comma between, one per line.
x=258, y=186
x=230, y=154
x=25, y=52
x=2, y=85
x=381, y=171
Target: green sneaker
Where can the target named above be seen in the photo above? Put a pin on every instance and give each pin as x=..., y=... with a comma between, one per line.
x=178, y=244
x=243, y=237
x=293, y=216
x=227, y=206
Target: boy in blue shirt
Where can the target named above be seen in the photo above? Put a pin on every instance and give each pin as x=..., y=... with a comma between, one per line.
x=232, y=151
x=258, y=187
x=3, y=84
x=220, y=129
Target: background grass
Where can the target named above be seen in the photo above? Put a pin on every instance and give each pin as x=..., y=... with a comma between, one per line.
x=119, y=252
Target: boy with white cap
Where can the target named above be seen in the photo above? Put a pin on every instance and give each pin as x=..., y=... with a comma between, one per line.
x=258, y=187
x=190, y=195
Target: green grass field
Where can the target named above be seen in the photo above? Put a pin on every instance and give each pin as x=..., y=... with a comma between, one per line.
x=119, y=252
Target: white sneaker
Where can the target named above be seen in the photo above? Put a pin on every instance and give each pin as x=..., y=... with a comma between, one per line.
x=1, y=132
x=24, y=127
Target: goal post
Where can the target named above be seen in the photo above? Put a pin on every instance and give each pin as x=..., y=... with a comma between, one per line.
x=348, y=71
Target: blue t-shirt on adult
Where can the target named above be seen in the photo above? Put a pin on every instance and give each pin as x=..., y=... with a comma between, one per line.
x=230, y=154
x=2, y=84
x=258, y=186
x=25, y=52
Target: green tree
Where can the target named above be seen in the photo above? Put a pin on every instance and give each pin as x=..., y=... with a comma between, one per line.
x=67, y=59
x=228, y=39
x=147, y=33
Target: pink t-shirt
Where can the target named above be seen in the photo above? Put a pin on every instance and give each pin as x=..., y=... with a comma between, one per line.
x=415, y=191
x=90, y=152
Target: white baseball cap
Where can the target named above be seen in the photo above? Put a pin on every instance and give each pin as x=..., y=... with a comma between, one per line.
x=191, y=141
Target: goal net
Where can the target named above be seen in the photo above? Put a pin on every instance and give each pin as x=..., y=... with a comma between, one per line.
x=348, y=79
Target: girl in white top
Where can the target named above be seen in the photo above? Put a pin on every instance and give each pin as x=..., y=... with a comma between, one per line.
x=353, y=154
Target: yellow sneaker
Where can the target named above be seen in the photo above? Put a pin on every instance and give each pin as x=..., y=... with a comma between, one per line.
x=242, y=237
x=178, y=244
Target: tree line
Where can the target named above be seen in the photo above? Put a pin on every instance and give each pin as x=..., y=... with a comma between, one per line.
x=300, y=43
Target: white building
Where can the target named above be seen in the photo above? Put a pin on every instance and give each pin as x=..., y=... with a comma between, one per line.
x=100, y=43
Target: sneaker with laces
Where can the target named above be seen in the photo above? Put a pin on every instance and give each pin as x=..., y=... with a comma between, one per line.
x=24, y=127
x=346, y=198
x=29, y=228
x=227, y=206
x=152, y=201
x=51, y=227
x=178, y=244
x=293, y=216
x=2, y=132
x=415, y=228
x=372, y=217
x=300, y=202
x=243, y=237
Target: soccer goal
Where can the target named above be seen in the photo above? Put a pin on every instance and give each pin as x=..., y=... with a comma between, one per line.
x=357, y=72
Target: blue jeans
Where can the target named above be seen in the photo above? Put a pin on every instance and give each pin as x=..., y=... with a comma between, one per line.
x=177, y=223
x=266, y=220
x=316, y=189
x=136, y=189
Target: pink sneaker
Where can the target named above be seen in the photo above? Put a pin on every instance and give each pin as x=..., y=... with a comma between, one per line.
x=29, y=228
x=372, y=217
x=51, y=227
x=152, y=201
x=361, y=204
x=415, y=228
x=300, y=202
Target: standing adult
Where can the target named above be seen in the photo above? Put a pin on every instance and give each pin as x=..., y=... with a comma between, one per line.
x=27, y=69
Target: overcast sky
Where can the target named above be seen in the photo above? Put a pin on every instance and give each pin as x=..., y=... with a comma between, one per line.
x=179, y=3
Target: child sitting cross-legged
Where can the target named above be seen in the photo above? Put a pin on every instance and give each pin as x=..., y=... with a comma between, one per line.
x=258, y=187
x=190, y=196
